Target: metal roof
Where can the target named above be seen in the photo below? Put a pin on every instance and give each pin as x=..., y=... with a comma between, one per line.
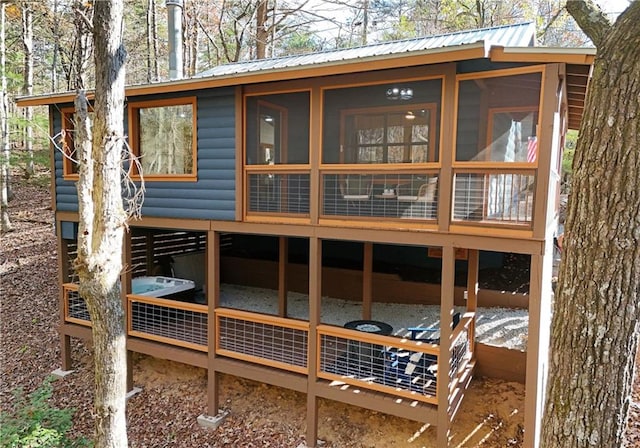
x=519, y=35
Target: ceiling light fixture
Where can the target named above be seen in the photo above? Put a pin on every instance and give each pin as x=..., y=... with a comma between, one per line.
x=399, y=93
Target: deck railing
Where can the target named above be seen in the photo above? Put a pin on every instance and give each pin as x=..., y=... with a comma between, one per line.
x=494, y=196
x=380, y=194
x=263, y=339
x=387, y=364
x=396, y=366
x=484, y=195
x=169, y=321
x=75, y=308
x=277, y=190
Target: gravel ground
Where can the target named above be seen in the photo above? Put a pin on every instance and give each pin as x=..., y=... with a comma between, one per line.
x=164, y=414
x=504, y=327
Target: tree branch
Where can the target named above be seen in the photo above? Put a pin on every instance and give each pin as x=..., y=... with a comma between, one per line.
x=591, y=19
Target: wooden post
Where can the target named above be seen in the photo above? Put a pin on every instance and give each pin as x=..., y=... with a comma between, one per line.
x=547, y=176
x=537, y=345
x=445, y=181
x=283, y=288
x=472, y=295
x=63, y=277
x=444, y=359
x=542, y=264
x=315, y=296
x=315, y=139
x=213, y=298
x=125, y=281
x=367, y=279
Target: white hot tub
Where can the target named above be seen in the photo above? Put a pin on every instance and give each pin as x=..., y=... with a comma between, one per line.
x=163, y=287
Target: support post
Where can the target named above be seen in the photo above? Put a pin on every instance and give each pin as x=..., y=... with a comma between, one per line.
x=283, y=287
x=213, y=297
x=444, y=359
x=315, y=296
x=472, y=295
x=125, y=282
x=63, y=277
x=367, y=280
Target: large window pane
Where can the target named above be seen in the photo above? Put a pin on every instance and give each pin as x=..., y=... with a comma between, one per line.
x=365, y=125
x=163, y=136
x=68, y=141
x=498, y=119
x=389, y=135
x=277, y=129
x=166, y=139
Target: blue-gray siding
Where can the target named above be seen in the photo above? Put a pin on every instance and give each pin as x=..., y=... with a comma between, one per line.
x=212, y=196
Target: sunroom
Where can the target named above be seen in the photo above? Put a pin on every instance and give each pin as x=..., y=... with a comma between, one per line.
x=382, y=155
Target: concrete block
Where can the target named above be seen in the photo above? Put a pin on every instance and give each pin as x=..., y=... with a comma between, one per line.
x=212, y=422
x=59, y=373
x=133, y=392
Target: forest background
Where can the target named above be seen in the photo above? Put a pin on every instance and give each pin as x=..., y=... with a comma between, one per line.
x=43, y=52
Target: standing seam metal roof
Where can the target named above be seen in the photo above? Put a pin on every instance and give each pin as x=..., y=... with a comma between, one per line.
x=518, y=35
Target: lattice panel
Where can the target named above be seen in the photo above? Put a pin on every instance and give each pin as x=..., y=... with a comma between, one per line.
x=278, y=193
x=387, y=368
x=162, y=244
x=169, y=323
x=396, y=196
x=263, y=341
x=504, y=197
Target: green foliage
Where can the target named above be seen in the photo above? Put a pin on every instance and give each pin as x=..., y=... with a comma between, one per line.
x=301, y=42
x=569, y=149
x=34, y=423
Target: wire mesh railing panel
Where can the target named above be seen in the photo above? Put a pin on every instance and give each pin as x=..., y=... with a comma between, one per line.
x=170, y=323
x=263, y=342
x=494, y=197
x=460, y=354
x=382, y=195
x=278, y=193
x=393, y=369
x=76, y=307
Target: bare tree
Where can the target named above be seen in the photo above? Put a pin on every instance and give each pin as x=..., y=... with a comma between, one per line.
x=594, y=335
x=102, y=221
x=27, y=43
x=5, y=223
x=153, y=73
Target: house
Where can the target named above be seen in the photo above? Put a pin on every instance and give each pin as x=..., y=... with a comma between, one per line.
x=380, y=173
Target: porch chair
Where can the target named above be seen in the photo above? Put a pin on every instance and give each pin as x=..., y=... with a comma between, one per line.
x=426, y=192
x=356, y=188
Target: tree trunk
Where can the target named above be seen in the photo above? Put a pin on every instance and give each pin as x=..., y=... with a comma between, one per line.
x=102, y=223
x=262, y=30
x=151, y=48
x=594, y=334
x=27, y=42
x=5, y=223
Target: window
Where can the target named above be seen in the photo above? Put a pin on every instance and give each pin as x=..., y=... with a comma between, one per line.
x=498, y=119
x=404, y=134
x=163, y=136
x=512, y=135
x=277, y=129
x=67, y=142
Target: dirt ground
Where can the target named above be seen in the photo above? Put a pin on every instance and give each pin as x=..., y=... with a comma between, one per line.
x=173, y=395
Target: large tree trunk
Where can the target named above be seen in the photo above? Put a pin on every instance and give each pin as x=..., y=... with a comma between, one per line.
x=102, y=223
x=594, y=334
